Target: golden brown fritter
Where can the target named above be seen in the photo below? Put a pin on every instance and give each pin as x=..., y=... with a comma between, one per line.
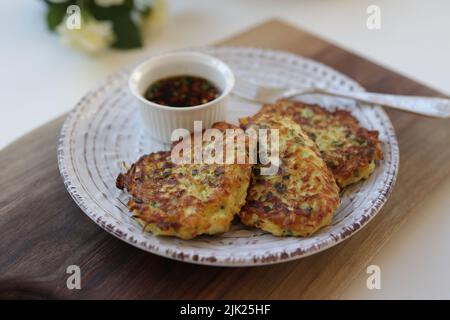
x=302, y=196
x=349, y=150
x=185, y=200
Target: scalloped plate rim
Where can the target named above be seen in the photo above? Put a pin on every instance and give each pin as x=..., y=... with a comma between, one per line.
x=326, y=243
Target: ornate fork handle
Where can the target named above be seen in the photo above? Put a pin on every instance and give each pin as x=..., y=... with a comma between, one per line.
x=429, y=106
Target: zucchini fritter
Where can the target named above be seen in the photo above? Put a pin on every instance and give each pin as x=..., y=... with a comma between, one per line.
x=349, y=150
x=185, y=200
x=302, y=196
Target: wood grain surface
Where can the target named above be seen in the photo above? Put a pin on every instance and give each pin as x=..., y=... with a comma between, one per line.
x=42, y=231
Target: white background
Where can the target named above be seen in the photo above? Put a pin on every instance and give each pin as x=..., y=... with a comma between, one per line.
x=41, y=79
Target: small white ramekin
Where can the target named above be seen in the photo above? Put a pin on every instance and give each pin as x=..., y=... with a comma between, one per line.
x=159, y=120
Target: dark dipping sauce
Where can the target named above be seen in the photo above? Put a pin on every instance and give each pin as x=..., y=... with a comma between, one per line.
x=182, y=91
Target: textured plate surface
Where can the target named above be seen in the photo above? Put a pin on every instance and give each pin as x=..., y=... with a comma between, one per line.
x=104, y=130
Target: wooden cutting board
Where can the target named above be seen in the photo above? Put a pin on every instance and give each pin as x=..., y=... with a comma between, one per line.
x=42, y=231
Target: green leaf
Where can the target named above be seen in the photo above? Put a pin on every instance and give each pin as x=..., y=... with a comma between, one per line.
x=127, y=34
x=111, y=12
x=146, y=12
x=55, y=15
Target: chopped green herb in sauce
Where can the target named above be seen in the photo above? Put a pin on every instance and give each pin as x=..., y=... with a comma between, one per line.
x=182, y=91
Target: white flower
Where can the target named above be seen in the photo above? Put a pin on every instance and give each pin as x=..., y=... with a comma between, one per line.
x=93, y=36
x=109, y=3
x=158, y=16
x=160, y=12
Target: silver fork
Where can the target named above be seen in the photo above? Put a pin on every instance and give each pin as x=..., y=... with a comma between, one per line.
x=427, y=106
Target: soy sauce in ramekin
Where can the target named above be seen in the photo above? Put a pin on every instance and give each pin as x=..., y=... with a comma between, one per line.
x=182, y=91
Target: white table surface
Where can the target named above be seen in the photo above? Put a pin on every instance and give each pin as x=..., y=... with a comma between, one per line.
x=41, y=79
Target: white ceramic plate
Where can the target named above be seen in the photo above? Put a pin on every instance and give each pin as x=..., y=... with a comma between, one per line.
x=104, y=130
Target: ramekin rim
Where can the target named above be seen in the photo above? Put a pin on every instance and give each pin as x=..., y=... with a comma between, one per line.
x=230, y=82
